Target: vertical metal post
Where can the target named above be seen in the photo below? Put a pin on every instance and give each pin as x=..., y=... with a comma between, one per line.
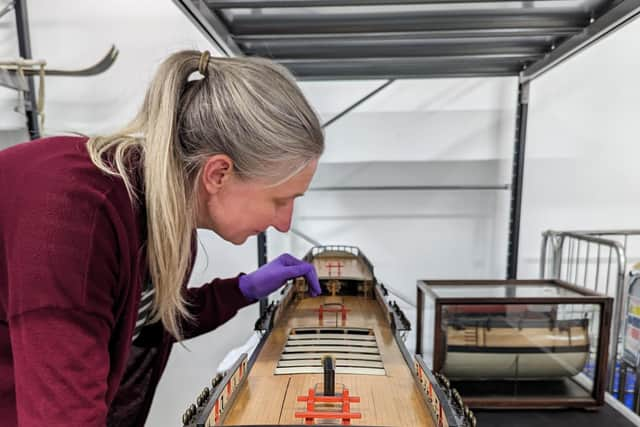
x=24, y=45
x=622, y=381
x=517, y=180
x=329, y=368
x=636, y=393
x=262, y=260
x=419, y=318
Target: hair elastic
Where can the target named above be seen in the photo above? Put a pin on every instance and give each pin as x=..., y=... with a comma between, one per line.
x=204, y=63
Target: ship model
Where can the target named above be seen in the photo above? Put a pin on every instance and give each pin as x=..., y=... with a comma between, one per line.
x=501, y=342
x=516, y=343
x=335, y=359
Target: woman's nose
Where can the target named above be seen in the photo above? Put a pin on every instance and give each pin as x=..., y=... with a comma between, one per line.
x=282, y=221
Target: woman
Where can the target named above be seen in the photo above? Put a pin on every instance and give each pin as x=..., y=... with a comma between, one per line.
x=97, y=236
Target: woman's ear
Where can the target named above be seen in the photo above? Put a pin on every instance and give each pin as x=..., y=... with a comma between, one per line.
x=216, y=171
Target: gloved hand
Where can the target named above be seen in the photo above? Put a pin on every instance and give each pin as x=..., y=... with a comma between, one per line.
x=271, y=276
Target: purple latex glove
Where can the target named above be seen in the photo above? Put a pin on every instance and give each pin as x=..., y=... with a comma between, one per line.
x=271, y=276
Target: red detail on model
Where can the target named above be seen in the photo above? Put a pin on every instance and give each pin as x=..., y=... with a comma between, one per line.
x=341, y=309
x=338, y=265
x=345, y=414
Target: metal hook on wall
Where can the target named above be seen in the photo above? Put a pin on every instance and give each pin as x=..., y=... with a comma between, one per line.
x=14, y=74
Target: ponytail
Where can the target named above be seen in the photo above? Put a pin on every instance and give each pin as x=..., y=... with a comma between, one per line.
x=247, y=108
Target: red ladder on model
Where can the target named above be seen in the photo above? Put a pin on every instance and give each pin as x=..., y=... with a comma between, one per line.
x=345, y=415
x=340, y=309
x=331, y=265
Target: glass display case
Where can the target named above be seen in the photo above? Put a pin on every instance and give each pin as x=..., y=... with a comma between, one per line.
x=527, y=344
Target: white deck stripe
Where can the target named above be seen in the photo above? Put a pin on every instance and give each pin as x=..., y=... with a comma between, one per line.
x=339, y=363
x=329, y=348
x=338, y=356
x=312, y=370
x=331, y=330
x=300, y=343
x=354, y=354
x=355, y=337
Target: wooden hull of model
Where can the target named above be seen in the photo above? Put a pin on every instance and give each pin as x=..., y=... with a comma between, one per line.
x=516, y=352
x=392, y=399
x=334, y=359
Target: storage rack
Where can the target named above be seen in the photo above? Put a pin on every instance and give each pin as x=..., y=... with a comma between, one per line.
x=402, y=39
x=399, y=39
x=598, y=260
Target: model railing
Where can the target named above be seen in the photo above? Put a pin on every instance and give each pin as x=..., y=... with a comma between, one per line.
x=354, y=250
x=596, y=260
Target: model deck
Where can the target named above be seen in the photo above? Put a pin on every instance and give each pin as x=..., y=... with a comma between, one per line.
x=392, y=399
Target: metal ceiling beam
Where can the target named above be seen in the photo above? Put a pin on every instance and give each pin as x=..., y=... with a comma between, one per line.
x=461, y=187
x=210, y=25
x=304, y=23
x=263, y=4
x=618, y=15
x=318, y=48
x=389, y=68
x=7, y=8
x=356, y=104
x=548, y=33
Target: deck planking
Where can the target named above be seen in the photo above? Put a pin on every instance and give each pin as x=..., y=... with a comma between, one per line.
x=389, y=400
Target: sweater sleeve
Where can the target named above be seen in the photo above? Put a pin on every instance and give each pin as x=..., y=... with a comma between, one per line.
x=61, y=363
x=63, y=287
x=211, y=305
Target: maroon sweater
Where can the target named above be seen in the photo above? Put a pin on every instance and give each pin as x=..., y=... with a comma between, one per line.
x=72, y=266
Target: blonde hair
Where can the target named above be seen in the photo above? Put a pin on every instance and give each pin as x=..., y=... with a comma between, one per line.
x=247, y=108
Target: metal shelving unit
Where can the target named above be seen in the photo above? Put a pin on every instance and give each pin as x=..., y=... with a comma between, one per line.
x=386, y=39
x=24, y=47
x=403, y=39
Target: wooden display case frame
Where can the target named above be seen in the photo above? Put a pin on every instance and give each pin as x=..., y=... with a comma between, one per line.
x=597, y=396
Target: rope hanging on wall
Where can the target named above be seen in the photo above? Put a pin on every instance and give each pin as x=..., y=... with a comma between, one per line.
x=13, y=74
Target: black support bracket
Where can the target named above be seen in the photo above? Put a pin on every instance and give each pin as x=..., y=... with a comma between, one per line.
x=24, y=45
x=517, y=180
x=262, y=260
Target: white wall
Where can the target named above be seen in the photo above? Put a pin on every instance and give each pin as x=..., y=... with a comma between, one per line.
x=415, y=132
x=582, y=147
x=418, y=120
x=77, y=34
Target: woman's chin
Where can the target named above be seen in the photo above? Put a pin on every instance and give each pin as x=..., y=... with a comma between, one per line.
x=238, y=240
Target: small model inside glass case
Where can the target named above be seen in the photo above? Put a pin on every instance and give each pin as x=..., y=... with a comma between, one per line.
x=527, y=344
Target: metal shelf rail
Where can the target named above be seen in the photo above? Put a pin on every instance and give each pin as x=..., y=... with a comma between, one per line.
x=386, y=39
x=400, y=39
